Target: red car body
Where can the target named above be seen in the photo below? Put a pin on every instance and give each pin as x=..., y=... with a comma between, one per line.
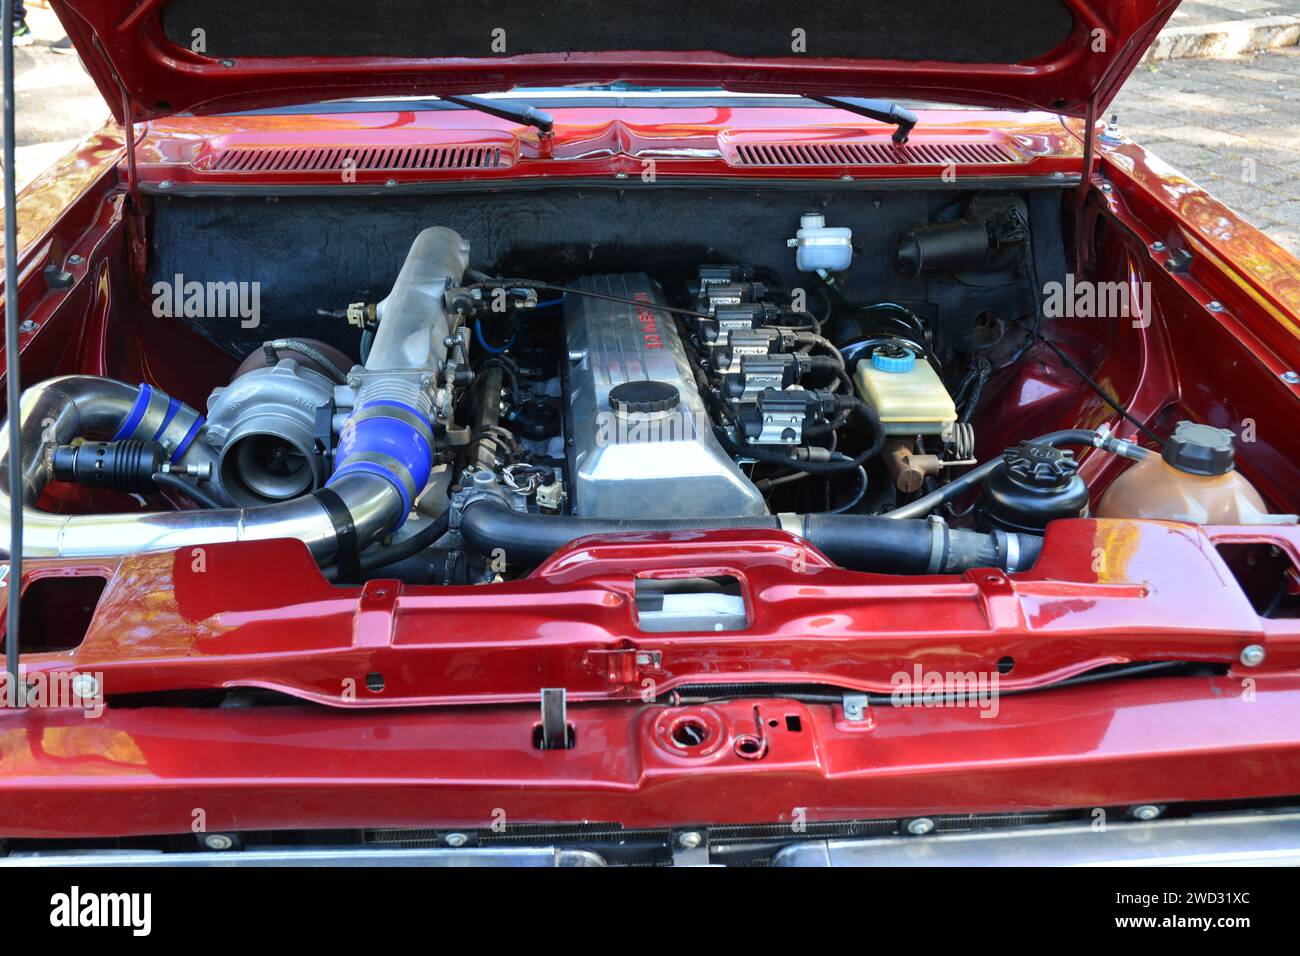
x=440, y=729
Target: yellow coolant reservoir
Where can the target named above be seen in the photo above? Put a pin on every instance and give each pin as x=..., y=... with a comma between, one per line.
x=905, y=392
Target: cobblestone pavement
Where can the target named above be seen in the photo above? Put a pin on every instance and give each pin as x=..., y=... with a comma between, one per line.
x=1192, y=12
x=1232, y=126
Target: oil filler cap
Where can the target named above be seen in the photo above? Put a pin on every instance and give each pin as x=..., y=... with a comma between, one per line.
x=643, y=397
x=1200, y=449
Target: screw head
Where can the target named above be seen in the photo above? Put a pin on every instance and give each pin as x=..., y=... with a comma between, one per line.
x=1147, y=811
x=690, y=840
x=1291, y=378
x=455, y=839
x=27, y=325
x=218, y=841
x=165, y=184
x=1106, y=187
x=75, y=260
x=1252, y=655
x=85, y=686
x=390, y=182
x=920, y=826
x=1157, y=246
x=1214, y=305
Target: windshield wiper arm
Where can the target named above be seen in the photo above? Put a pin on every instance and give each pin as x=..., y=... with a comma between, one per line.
x=882, y=110
x=503, y=109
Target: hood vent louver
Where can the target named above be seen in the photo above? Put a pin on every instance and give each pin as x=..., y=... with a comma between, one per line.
x=873, y=154
x=262, y=159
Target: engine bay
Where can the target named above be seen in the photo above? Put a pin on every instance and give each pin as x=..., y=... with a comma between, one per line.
x=515, y=389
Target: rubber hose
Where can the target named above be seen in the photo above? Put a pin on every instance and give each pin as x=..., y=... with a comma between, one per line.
x=860, y=542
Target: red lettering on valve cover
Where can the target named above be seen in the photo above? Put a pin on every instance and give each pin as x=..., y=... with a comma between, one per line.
x=646, y=316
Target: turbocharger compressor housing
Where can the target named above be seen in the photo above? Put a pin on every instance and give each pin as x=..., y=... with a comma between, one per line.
x=271, y=427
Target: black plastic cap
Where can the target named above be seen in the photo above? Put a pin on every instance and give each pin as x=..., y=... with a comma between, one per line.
x=642, y=397
x=1200, y=449
x=1040, y=466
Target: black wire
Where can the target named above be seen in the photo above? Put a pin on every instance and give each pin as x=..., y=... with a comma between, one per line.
x=854, y=501
x=192, y=491
x=535, y=284
x=1106, y=673
x=13, y=390
x=743, y=449
x=1090, y=382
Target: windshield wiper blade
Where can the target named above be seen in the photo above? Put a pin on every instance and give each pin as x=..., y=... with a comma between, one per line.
x=882, y=110
x=503, y=109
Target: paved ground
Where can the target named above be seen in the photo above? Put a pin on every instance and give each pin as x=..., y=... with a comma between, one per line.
x=1232, y=125
x=56, y=105
x=1192, y=12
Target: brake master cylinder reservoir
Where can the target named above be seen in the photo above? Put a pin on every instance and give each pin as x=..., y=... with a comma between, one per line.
x=1192, y=480
x=819, y=247
x=906, y=393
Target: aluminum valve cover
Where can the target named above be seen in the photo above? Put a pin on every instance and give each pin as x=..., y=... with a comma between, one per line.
x=661, y=463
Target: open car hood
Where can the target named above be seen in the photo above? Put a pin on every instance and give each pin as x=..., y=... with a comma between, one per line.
x=162, y=57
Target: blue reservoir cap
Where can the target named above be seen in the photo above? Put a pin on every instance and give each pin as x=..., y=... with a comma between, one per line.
x=891, y=358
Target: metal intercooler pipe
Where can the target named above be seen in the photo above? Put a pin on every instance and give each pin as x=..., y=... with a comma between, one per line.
x=382, y=462
x=859, y=542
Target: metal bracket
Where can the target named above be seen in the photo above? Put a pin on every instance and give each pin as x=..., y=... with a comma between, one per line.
x=855, y=707
x=555, y=719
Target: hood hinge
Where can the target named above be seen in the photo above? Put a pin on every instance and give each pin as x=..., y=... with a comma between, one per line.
x=137, y=242
x=1081, y=235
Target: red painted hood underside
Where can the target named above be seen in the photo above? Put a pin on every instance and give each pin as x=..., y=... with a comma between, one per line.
x=165, y=57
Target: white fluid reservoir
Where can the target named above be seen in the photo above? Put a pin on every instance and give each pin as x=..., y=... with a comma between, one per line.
x=819, y=247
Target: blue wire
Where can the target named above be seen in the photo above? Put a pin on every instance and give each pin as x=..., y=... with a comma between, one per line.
x=482, y=340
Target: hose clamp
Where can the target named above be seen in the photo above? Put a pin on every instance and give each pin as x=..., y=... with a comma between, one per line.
x=938, y=543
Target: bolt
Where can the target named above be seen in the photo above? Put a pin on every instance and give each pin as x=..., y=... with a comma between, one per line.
x=456, y=839
x=690, y=840
x=1291, y=378
x=1157, y=247
x=218, y=841
x=920, y=826
x=75, y=260
x=390, y=182
x=1252, y=655
x=228, y=64
x=1147, y=811
x=165, y=184
x=27, y=325
x=85, y=686
x=1106, y=187
x=354, y=382
x=1214, y=305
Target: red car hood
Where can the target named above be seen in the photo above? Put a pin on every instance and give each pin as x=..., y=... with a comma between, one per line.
x=163, y=57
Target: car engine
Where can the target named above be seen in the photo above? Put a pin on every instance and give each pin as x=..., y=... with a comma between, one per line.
x=492, y=420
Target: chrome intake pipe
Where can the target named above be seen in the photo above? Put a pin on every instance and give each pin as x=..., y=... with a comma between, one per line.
x=382, y=463
x=56, y=411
